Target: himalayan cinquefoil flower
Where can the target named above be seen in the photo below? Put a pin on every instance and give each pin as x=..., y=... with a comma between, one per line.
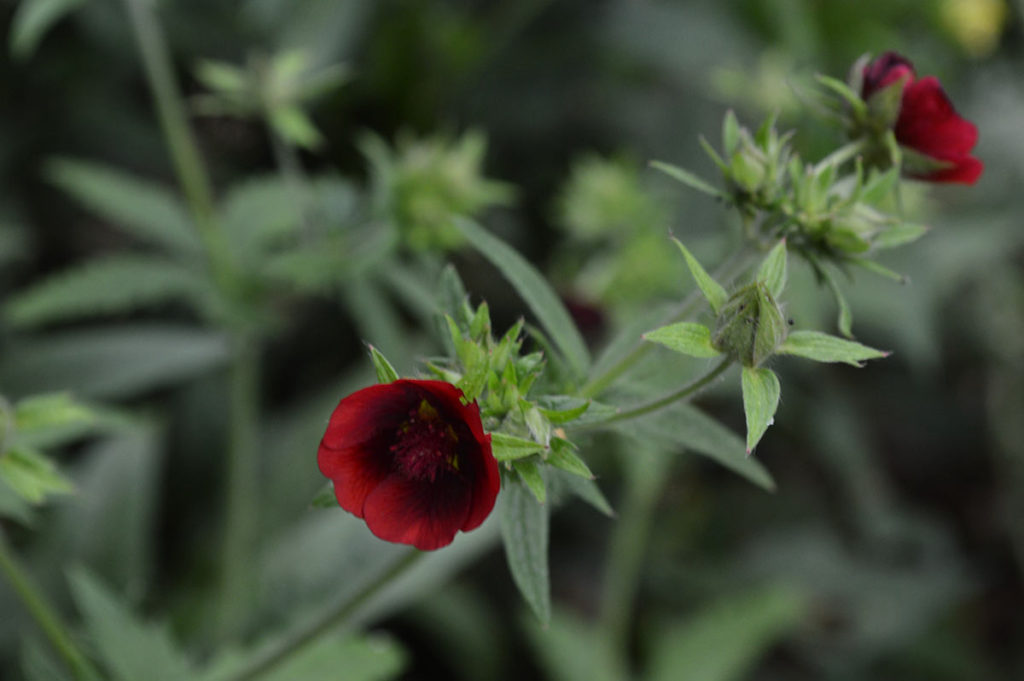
x=412, y=460
x=926, y=122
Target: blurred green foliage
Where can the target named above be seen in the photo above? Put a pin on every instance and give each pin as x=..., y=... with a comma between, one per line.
x=893, y=546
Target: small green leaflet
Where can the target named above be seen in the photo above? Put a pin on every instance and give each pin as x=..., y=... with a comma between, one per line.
x=760, y=400
x=563, y=455
x=529, y=473
x=773, y=270
x=688, y=338
x=562, y=408
x=711, y=289
x=32, y=475
x=822, y=347
x=325, y=497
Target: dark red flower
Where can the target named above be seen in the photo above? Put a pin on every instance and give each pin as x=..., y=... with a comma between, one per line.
x=411, y=460
x=927, y=122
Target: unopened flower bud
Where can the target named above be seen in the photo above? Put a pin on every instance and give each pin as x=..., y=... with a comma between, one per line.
x=750, y=325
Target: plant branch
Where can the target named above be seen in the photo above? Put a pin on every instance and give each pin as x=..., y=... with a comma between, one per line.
x=275, y=655
x=45, y=616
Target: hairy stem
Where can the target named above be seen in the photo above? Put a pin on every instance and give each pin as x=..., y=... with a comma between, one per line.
x=45, y=616
x=687, y=391
x=273, y=656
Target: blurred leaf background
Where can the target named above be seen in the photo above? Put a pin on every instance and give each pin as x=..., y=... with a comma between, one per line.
x=893, y=545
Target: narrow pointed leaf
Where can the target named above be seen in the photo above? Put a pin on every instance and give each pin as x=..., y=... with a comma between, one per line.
x=385, y=372
x=529, y=473
x=507, y=447
x=535, y=291
x=761, y=392
x=900, y=235
x=524, y=532
x=845, y=320
x=773, y=270
x=730, y=132
x=822, y=347
x=688, y=178
x=711, y=289
x=32, y=20
x=145, y=209
x=688, y=338
x=562, y=408
x=563, y=455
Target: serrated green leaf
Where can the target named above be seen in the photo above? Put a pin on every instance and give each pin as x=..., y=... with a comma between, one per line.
x=385, y=372
x=822, y=347
x=524, y=532
x=142, y=208
x=563, y=455
x=712, y=290
x=688, y=178
x=130, y=648
x=32, y=20
x=562, y=408
x=773, y=270
x=723, y=641
x=116, y=284
x=507, y=447
x=761, y=392
x=32, y=475
x=535, y=291
x=688, y=338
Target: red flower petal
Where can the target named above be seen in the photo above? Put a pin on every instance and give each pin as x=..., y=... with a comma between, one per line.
x=966, y=171
x=884, y=71
x=929, y=123
x=409, y=512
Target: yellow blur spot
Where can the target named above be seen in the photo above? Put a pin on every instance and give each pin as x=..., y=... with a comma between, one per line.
x=976, y=24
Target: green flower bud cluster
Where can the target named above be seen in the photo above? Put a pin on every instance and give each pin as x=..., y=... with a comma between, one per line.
x=421, y=185
x=750, y=326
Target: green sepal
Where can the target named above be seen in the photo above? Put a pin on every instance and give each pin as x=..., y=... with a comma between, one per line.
x=761, y=393
x=563, y=455
x=712, y=290
x=688, y=338
x=385, y=372
x=773, y=269
x=507, y=447
x=750, y=326
x=821, y=347
x=730, y=133
x=530, y=474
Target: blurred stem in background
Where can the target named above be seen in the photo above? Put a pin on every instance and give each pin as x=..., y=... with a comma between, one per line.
x=645, y=475
x=242, y=473
x=45, y=615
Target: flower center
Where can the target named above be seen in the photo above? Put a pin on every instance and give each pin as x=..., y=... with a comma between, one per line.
x=425, y=445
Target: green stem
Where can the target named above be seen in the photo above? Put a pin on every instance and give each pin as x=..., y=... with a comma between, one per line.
x=181, y=143
x=644, y=482
x=45, y=615
x=275, y=655
x=727, y=271
x=688, y=390
x=243, y=484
